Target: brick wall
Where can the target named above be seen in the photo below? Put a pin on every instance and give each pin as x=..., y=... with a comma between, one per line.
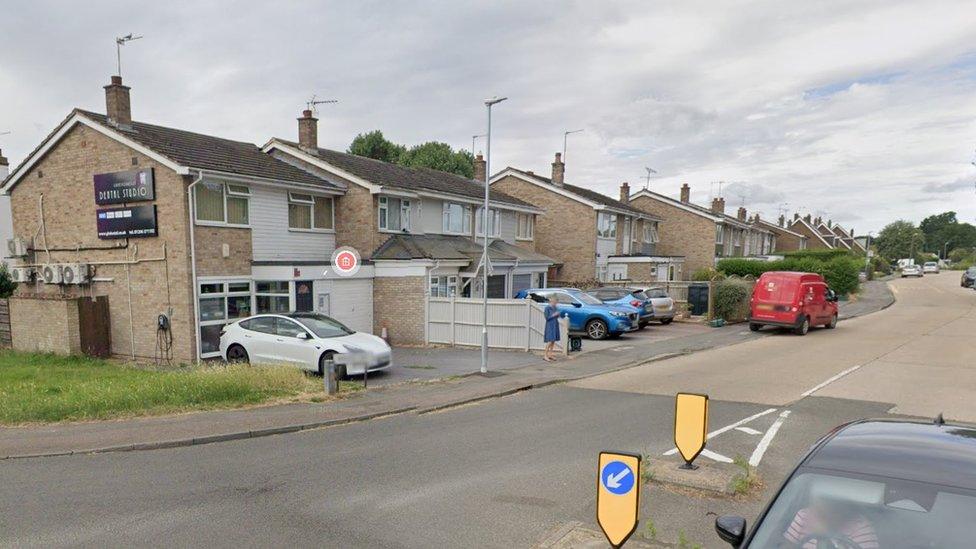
x=47, y=324
x=786, y=242
x=399, y=305
x=813, y=242
x=69, y=215
x=682, y=233
x=566, y=232
x=210, y=250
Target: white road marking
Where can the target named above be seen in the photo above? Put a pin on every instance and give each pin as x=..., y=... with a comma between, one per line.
x=831, y=380
x=748, y=430
x=763, y=445
x=894, y=288
x=718, y=432
x=716, y=456
x=622, y=348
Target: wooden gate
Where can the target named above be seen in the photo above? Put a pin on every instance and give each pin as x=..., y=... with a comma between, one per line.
x=5, y=340
x=94, y=330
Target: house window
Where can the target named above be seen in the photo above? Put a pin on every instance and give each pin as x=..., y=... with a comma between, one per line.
x=272, y=296
x=443, y=286
x=219, y=203
x=394, y=214
x=220, y=303
x=606, y=225
x=456, y=218
x=526, y=226
x=650, y=232
x=719, y=232
x=307, y=212
x=494, y=222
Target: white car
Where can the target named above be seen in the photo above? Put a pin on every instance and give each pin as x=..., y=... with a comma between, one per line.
x=307, y=340
x=911, y=270
x=931, y=267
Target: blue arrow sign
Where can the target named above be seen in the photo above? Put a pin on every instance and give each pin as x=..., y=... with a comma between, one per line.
x=617, y=478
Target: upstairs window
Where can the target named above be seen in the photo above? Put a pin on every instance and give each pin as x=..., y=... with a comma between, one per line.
x=650, y=232
x=216, y=202
x=308, y=212
x=494, y=222
x=719, y=234
x=394, y=214
x=526, y=226
x=456, y=218
x=606, y=225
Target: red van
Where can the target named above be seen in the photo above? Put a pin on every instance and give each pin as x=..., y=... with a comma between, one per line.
x=792, y=300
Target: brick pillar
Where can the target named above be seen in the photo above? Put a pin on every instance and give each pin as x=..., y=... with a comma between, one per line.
x=308, y=131
x=117, y=105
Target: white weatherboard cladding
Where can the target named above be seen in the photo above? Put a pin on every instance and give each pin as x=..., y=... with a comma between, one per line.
x=350, y=301
x=270, y=238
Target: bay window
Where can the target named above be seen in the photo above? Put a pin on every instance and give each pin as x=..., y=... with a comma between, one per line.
x=526, y=226
x=606, y=225
x=394, y=214
x=443, y=286
x=216, y=202
x=494, y=222
x=456, y=218
x=310, y=212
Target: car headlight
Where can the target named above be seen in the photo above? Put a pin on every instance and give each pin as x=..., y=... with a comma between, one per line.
x=618, y=314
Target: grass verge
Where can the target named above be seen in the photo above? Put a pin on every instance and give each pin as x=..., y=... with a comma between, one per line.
x=43, y=388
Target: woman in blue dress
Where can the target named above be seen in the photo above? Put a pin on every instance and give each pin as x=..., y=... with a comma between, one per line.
x=551, y=335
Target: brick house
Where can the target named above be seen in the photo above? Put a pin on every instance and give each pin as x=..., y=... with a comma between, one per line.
x=816, y=240
x=589, y=235
x=6, y=218
x=703, y=235
x=784, y=239
x=422, y=231
x=847, y=238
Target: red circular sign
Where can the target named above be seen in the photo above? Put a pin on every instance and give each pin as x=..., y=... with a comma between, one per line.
x=345, y=261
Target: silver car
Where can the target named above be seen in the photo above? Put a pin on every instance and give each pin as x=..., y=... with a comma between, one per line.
x=930, y=267
x=664, y=308
x=911, y=270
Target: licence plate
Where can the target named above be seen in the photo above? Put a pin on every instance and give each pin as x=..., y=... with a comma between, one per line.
x=764, y=307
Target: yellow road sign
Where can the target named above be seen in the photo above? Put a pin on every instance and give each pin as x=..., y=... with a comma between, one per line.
x=618, y=495
x=690, y=424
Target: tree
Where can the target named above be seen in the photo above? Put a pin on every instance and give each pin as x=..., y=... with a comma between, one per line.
x=899, y=239
x=374, y=145
x=943, y=233
x=7, y=284
x=439, y=156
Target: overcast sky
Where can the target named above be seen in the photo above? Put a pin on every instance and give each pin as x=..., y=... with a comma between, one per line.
x=862, y=112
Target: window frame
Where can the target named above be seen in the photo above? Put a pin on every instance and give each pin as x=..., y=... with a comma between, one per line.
x=310, y=203
x=221, y=290
x=466, y=220
x=650, y=228
x=272, y=293
x=529, y=225
x=383, y=203
x=494, y=222
x=240, y=192
x=450, y=286
x=609, y=231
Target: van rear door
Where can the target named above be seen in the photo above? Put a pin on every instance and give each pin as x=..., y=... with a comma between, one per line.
x=773, y=297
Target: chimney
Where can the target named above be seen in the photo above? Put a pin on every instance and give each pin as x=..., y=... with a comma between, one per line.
x=806, y=218
x=782, y=220
x=830, y=224
x=117, y=105
x=741, y=214
x=625, y=192
x=4, y=166
x=685, y=193
x=718, y=205
x=816, y=221
x=308, y=131
x=480, y=173
x=558, y=170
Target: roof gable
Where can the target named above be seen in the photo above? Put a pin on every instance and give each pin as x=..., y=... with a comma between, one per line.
x=803, y=222
x=580, y=194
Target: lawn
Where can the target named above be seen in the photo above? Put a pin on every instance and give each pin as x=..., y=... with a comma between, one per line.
x=50, y=388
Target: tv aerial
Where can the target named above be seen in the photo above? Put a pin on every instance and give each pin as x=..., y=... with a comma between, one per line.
x=650, y=171
x=312, y=103
x=119, y=42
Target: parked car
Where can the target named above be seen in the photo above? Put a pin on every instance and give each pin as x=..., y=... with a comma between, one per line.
x=872, y=483
x=587, y=314
x=633, y=297
x=930, y=267
x=968, y=278
x=912, y=270
x=792, y=300
x=664, y=308
x=307, y=340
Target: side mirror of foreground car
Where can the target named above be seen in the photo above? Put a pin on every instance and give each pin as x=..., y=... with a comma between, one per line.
x=731, y=529
x=304, y=335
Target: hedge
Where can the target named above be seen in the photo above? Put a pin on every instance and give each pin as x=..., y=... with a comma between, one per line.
x=818, y=254
x=731, y=300
x=840, y=271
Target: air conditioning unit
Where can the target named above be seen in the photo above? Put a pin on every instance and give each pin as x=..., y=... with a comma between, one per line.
x=51, y=274
x=75, y=273
x=17, y=247
x=23, y=274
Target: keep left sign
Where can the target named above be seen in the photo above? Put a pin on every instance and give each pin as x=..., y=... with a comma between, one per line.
x=618, y=495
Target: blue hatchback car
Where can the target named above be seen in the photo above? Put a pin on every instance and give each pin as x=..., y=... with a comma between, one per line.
x=587, y=314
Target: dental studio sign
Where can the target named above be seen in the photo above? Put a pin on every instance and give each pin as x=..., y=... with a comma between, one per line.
x=122, y=187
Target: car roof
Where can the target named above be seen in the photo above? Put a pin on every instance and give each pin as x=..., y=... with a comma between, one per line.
x=932, y=453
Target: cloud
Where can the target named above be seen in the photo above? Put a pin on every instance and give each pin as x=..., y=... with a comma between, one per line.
x=959, y=184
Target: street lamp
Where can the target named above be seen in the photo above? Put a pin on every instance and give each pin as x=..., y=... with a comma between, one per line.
x=484, y=227
x=945, y=250
x=566, y=135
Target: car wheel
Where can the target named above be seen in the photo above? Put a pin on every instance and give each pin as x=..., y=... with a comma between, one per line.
x=597, y=329
x=236, y=354
x=666, y=321
x=754, y=327
x=340, y=369
x=833, y=323
x=642, y=325
x=803, y=328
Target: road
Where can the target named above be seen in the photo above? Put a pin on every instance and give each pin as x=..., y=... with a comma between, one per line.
x=503, y=472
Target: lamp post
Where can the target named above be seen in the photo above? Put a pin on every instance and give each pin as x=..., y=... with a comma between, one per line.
x=945, y=250
x=565, y=136
x=867, y=254
x=484, y=253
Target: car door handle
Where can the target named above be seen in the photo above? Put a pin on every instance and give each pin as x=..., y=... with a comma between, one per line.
x=280, y=339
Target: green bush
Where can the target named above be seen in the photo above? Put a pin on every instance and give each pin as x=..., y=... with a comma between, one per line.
x=818, y=254
x=706, y=274
x=7, y=284
x=731, y=300
x=840, y=270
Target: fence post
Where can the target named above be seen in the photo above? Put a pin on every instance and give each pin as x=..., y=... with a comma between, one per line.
x=711, y=300
x=528, y=324
x=453, y=322
x=564, y=334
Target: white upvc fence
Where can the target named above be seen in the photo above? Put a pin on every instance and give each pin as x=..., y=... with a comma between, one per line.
x=512, y=323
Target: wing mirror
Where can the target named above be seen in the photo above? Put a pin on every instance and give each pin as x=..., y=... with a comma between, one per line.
x=304, y=335
x=731, y=529
x=577, y=304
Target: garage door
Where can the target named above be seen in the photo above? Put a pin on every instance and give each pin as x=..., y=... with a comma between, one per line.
x=349, y=301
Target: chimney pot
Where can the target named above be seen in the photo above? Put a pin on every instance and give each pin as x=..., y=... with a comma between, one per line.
x=480, y=169
x=741, y=213
x=685, y=193
x=806, y=218
x=558, y=170
x=718, y=205
x=117, y=105
x=308, y=131
x=782, y=220
x=625, y=192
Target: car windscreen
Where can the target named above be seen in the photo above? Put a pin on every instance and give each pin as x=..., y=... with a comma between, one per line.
x=819, y=509
x=586, y=298
x=639, y=294
x=971, y=270
x=323, y=326
x=655, y=293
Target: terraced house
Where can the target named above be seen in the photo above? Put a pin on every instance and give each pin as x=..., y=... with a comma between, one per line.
x=784, y=239
x=703, y=235
x=808, y=227
x=589, y=235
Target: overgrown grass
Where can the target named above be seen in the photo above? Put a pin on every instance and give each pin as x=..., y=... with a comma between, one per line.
x=744, y=482
x=51, y=388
